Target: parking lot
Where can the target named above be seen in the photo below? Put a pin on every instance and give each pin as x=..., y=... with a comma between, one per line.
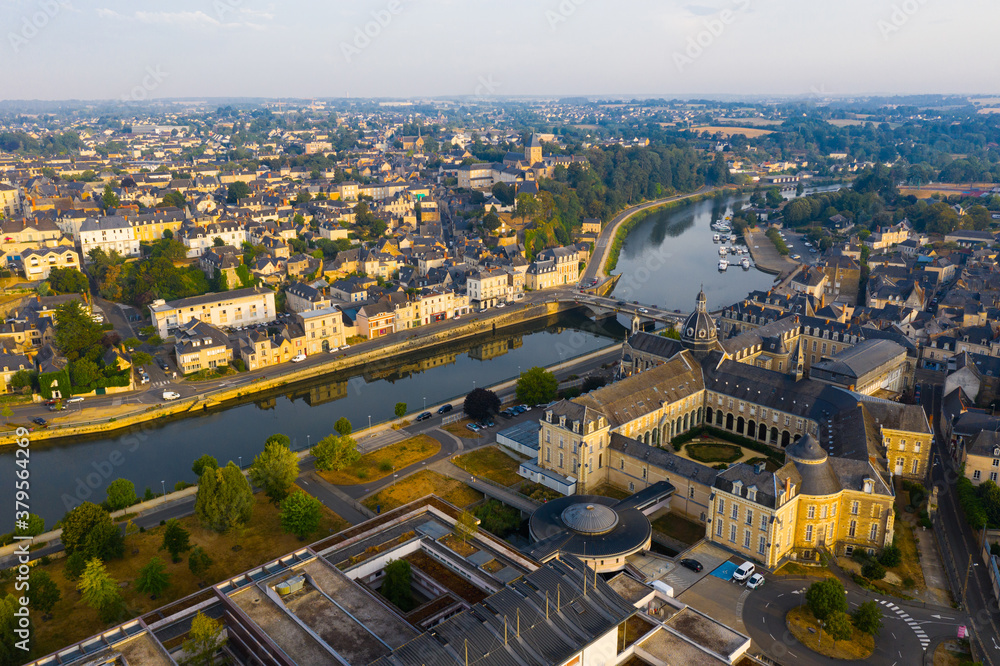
x=796, y=243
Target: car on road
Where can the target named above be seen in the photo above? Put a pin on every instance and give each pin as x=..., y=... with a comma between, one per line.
x=693, y=565
x=334, y=349
x=171, y=395
x=743, y=572
x=813, y=250
x=473, y=427
x=424, y=416
x=38, y=420
x=643, y=310
x=163, y=365
x=755, y=581
x=796, y=257
x=298, y=358
x=444, y=409
x=49, y=403
x=501, y=305
x=56, y=407
x=345, y=347
x=76, y=399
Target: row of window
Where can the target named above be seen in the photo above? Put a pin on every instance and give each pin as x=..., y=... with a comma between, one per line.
x=747, y=537
x=976, y=475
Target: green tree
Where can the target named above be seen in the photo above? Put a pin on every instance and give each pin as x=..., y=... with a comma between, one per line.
x=335, y=453
x=6, y=412
x=397, y=584
x=76, y=333
x=466, y=526
x=218, y=242
x=68, y=281
x=109, y=199
x=173, y=200
x=153, y=578
x=35, y=525
x=238, y=190
x=176, y=539
x=100, y=591
x=204, y=640
x=343, y=426
x=121, y=494
x=75, y=565
x=868, y=618
x=224, y=499
x=526, y=206
x=14, y=647
x=838, y=625
x=890, y=556
x=203, y=463
x=22, y=381
x=537, y=386
x=105, y=541
x=481, y=404
x=274, y=470
x=400, y=410
x=141, y=358
x=78, y=523
x=872, y=570
x=43, y=593
x=826, y=597
x=199, y=561
x=84, y=372
x=300, y=514
x=278, y=438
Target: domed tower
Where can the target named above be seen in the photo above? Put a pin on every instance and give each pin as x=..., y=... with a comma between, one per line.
x=699, y=333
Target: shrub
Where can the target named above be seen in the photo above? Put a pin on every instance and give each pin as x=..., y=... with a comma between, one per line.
x=890, y=556
x=872, y=570
x=385, y=466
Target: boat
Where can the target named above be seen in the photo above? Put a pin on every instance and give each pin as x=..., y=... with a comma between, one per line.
x=732, y=250
x=722, y=251
x=715, y=238
x=745, y=263
x=723, y=264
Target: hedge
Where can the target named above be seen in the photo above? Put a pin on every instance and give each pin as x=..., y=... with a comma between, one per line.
x=747, y=443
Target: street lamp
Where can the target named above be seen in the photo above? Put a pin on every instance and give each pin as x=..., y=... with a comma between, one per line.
x=369, y=423
x=163, y=487
x=308, y=440
x=425, y=402
x=241, y=462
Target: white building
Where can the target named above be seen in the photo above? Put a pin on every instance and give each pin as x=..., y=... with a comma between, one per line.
x=38, y=263
x=240, y=307
x=111, y=234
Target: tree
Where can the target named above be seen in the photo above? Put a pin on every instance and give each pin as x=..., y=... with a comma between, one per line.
x=491, y=221
x=43, y=593
x=105, y=541
x=34, y=526
x=335, y=453
x=109, y=199
x=100, y=590
x=537, y=386
x=68, y=281
x=224, y=499
x=343, y=426
x=173, y=200
x=121, y=494
x=79, y=522
x=481, y=404
x=278, y=438
x=14, y=647
x=526, y=206
x=466, y=526
x=238, y=190
x=203, y=463
x=300, y=514
x=21, y=380
x=868, y=618
x=872, y=570
x=6, y=412
x=274, y=470
x=199, y=561
x=397, y=584
x=400, y=410
x=204, y=640
x=141, y=358
x=176, y=539
x=153, y=578
x=826, y=597
x=76, y=332
x=838, y=625
x=890, y=556
x=218, y=242
x=75, y=564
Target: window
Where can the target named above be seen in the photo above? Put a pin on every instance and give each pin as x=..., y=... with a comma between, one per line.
x=763, y=522
x=975, y=475
x=876, y=511
x=996, y=462
x=718, y=528
x=914, y=467
x=809, y=532
x=732, y=533
x=746, y=538
x=749, y=517
x=560, y=459
x=833, y=510
x=643, y=472
x=722, y=506
x=622, y=463
x=735, y=512
x=691, y=492
x=811, y=512
x=852, y=529
x=873, y=535
x=752, y=494
x=822, y=512
x=631, y=487
x=548, y=455
x=993, y=476
x=761, y=544
x=916, y=447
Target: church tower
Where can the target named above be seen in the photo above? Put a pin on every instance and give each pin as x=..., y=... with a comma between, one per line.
x=699, y=333
x=533, y=151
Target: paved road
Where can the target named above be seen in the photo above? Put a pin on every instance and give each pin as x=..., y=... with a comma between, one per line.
x=906, y=629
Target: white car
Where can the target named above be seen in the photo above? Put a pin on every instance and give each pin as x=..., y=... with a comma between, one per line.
x=743, y=572
x=76, y=399
x=334, y=349
x=298, y=358
x=171, y=395
x=755, y=581
x=345, y=347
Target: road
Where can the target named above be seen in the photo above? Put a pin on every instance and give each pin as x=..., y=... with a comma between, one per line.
x=906, y=628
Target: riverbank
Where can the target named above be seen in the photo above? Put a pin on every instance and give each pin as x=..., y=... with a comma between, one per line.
x=766, y=256
x=210, y=399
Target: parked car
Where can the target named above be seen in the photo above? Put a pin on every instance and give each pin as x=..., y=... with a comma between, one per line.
x=424, y=416
x=298, y=358
x=755, y=581
x=38, y=420
x=51, y=402
x=693, y=565
x=743, y=572
x=56, y=407
x=473, y=427
x=444, y=409
x=163, y=365
x=171, y=395
x=334, y=349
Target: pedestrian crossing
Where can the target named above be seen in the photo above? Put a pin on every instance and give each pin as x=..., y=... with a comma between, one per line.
x=913, y=624
x=159, y=384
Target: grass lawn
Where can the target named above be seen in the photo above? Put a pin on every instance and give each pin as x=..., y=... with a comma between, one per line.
x=73, y=620
x=795, y=569
x=377, y=464
x=458, y=429
x=607, y=490
x=800, y=620
x=679, y=528
x=713, y=453
x=424, y=482
x=910, y=566
x=492, y=463
x=952, y=653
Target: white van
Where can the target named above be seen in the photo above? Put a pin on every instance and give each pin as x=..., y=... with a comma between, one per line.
x=743, y=572
x=171, y=395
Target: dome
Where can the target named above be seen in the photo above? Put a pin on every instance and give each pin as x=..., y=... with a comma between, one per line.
x=806, y=450
x=589, y=518
x=699, y=331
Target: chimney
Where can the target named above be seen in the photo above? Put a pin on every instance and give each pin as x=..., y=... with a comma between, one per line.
x=788, y=487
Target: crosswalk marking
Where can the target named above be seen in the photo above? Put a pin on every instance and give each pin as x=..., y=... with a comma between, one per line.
x=913, y=624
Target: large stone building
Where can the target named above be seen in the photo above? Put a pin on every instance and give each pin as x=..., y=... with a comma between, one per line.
x=240, y=307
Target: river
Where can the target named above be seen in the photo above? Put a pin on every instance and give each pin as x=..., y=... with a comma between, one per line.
x=670, y=254
x=65, y=472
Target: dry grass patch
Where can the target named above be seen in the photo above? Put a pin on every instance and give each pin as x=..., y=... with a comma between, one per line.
x=726, y=132
x=463, y=548
x=458, y=429
x=607, y=490
x=796, y=569
x=910, y=567
x=421, y=484
x=492, y=566
x=263, y=541
x=800, y=620
x=491, y=463
x=378, y=464
x=952, y=653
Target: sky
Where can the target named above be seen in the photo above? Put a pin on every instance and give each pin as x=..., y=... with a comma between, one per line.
x=146, y=49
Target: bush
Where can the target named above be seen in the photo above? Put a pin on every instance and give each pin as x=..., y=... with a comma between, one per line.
x=385, y=466
x=859, y=555
x=498, y=518
x=872, y=570
x=890, y=556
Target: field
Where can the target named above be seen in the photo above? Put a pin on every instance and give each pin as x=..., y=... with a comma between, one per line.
x=73, y=620
x=726, y=132
x=800, y=621
x=378, y=464
x=753, y=122
x=419, y=485
x=491, y=463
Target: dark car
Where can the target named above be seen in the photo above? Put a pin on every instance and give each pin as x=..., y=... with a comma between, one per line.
x=424, y=416
x=163, y=365
x=444, y=409
x=39, y=420
x=693, y=565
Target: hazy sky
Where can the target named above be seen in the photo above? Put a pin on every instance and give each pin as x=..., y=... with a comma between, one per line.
x=100, y=49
